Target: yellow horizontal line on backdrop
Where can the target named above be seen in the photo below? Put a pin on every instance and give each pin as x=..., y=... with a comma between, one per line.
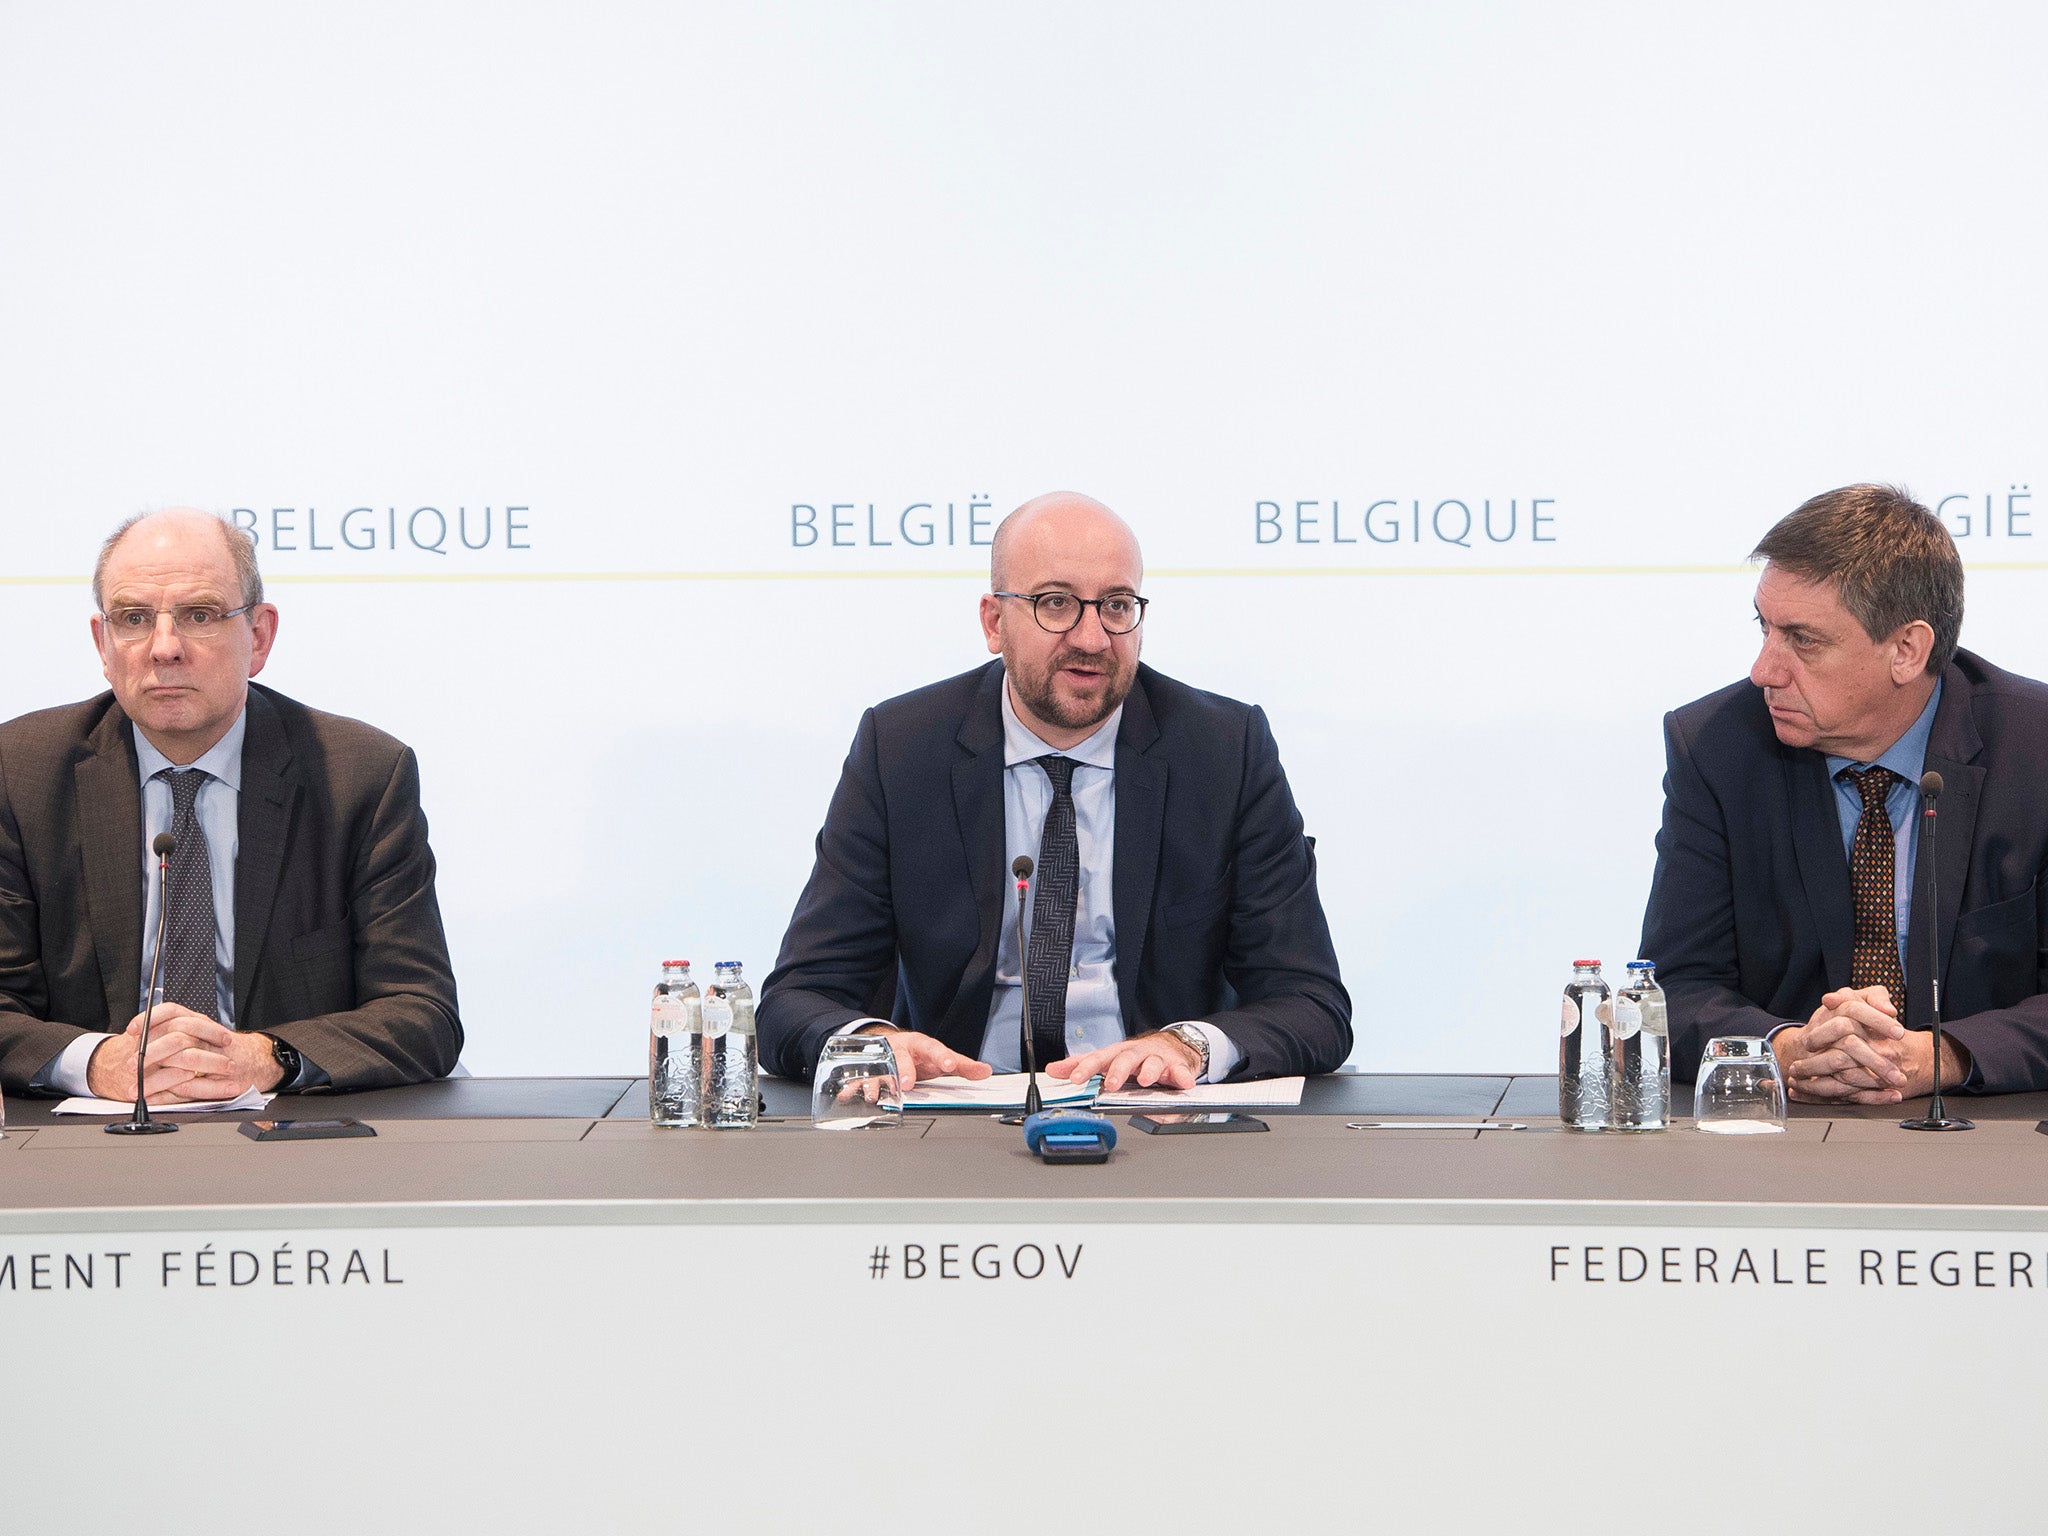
x=513, y=578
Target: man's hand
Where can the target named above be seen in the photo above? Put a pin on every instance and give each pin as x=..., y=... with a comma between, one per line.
x=1157, y=1060
x=920, y=1056
x=1853, y=1050
x=191, y=1059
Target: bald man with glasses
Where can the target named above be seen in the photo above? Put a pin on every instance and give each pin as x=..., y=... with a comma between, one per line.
x=303, y=947
x=1174, y=934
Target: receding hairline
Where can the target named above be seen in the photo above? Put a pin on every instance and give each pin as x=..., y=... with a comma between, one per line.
x=1021, y=517
x=240, y=547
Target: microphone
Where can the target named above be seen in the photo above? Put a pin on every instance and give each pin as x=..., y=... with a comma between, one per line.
x=1027, y=1048
x=1937, y=1118
x=139, y=1124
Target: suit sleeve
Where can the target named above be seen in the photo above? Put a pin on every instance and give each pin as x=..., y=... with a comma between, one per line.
x=839, y=955
x=2008, y=1046
x=1689, y=924
x=28, y=1040
x=1292, y=1016
x=404, y=1027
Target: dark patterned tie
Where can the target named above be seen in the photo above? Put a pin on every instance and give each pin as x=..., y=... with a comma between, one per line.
x=1875, y=959
x=190, y=969
x=1052, y=916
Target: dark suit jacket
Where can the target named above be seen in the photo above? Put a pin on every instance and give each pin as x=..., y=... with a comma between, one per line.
x=338, y=943
x=1750, y=918
x=1216, y=910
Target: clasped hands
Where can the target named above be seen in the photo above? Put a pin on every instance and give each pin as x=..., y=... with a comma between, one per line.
x=191, y=1059
x=1854, y=1050
x=1157, y=1060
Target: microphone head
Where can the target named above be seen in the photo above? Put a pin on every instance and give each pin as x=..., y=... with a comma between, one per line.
x=1023, y=867
x=1930, y=784
x=162, y=844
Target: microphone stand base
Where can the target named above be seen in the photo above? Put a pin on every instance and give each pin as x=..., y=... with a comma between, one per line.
x=1938, y=1123
x=140, y=1128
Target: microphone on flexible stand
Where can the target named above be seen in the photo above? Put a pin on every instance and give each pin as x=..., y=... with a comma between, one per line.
x=1937, y=1118
x=1028, y=1048
x=140, y=1124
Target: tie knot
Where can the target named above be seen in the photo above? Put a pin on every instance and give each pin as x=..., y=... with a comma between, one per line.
x=184, y=784
x=1060, y=770
x=1875, y=783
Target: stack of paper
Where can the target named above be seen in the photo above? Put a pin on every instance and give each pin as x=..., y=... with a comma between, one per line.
x=253, y=1099
x=1003, y=1091
x=1273, y=1090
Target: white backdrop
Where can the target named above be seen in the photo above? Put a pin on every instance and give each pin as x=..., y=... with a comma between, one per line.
x=630, y=295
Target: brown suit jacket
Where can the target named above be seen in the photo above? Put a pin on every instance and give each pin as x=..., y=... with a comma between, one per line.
x=338, y=944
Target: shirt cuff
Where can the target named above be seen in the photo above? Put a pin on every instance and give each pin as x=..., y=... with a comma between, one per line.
x=65, y=1072
x=1223, y=1052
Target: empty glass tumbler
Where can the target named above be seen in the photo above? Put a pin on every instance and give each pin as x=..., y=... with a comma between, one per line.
x=1740, y=1091
x=856, y=1084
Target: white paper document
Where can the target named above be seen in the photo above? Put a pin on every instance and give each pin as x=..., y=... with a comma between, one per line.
x=253, y=1099
x=1272, y=1090
x=1004, y=1090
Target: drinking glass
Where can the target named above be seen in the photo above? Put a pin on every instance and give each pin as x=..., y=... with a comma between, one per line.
x=856, y=1084
x=1740, y=1091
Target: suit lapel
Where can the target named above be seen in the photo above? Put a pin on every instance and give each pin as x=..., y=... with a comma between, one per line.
x=110, y=823
x=1952, y=749
x=1823, y=866
x=264, y=814
x=978, y=809
x=1140, y=822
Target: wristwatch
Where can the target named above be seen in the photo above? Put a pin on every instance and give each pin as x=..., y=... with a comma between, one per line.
x=1195, y=1041
x=288, y=1060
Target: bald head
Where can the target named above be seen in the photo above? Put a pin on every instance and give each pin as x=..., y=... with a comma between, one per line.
x=1063, y=521
x=166, y=527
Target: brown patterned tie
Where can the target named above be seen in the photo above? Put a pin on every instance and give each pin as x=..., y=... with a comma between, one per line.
x=1872, y=884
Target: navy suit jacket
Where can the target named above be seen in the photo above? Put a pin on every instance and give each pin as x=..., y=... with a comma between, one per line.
x=1216, y=910
x=1750, y=919
x=338, y=943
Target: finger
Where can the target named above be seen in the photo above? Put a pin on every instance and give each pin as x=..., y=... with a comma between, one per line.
x=1880, y=1023
x=1121, y=1068
x=1150, y=1069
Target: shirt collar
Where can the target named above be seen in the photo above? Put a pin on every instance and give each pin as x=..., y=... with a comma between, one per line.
x=223, y=759
x=1907, y=756
x=1020, y=745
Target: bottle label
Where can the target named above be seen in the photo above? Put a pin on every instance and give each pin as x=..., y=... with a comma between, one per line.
x=1570, y=1021
x=1628, y=1018
x=717, y=1017
x=668, y=1014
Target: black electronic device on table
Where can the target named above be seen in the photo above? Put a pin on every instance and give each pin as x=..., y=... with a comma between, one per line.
x=1207, y=1122
x=305, y=1130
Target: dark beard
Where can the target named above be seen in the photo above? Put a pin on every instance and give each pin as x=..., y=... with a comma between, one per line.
x=1039, y=697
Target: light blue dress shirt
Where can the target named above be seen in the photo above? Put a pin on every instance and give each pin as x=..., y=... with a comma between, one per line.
x=1906, y=757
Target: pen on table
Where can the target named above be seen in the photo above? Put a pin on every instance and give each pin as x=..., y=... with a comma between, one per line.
x=1434, y=1125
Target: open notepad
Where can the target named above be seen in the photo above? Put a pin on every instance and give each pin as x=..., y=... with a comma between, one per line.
x=1003, y=1091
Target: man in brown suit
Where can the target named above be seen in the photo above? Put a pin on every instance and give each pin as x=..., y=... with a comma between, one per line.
x=304, y=946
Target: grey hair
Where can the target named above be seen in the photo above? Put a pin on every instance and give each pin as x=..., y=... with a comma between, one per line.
x=241, y=550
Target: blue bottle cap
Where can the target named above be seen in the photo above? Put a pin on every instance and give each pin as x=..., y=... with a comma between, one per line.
x=1642, y=965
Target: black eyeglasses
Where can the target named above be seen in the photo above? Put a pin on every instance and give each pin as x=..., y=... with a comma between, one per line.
x=1058, y=612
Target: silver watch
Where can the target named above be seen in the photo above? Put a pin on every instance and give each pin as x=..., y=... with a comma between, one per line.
x=1195, y=1041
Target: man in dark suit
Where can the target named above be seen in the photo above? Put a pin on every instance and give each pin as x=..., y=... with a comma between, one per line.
x=1790, y=896
x=1175, y=930
x=304, y=945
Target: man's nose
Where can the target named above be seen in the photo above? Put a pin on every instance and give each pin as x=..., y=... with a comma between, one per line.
x=1088, y=634
x=1769, y=670
x=165, y=644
